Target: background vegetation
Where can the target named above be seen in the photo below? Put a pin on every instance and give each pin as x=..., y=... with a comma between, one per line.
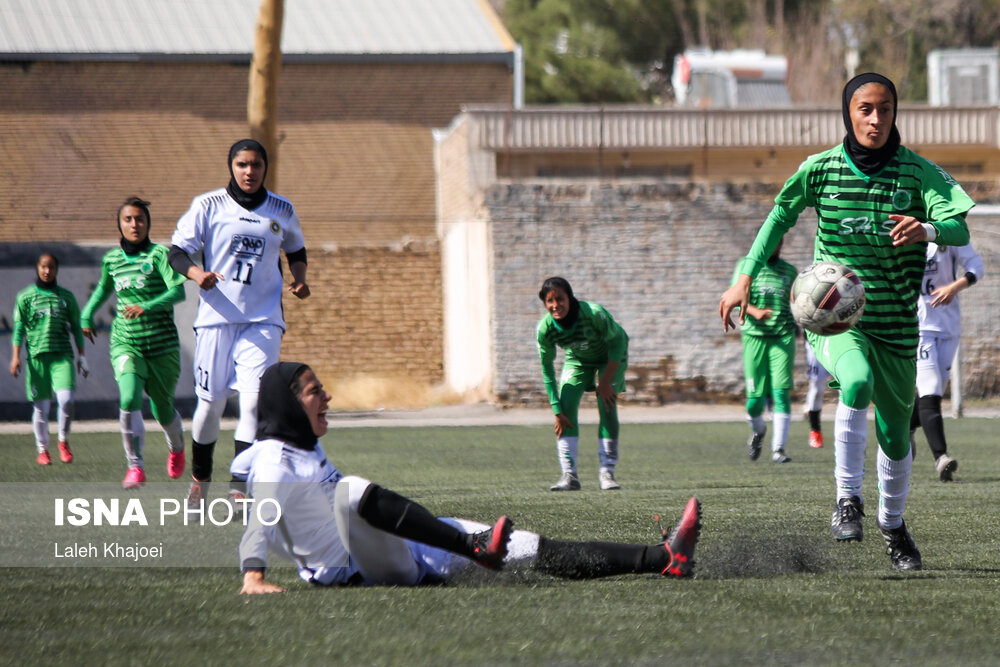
x=615, y=51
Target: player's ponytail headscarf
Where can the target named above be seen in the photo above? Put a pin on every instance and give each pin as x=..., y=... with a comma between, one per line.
x=249, y=201
x=280, y=415
x=129, y=247
x=868, y=160
x=555, y=282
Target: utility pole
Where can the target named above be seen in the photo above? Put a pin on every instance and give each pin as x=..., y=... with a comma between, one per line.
x=262, y=99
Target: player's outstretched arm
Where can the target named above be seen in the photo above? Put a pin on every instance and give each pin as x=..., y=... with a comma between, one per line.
x=299, y=286
x=736, y=296
x=15, y=360
x=254, y=584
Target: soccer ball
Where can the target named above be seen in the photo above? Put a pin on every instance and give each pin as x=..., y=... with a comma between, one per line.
x=827, y=298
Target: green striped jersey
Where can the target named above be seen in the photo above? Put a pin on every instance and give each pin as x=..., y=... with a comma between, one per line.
x=45, y=318
x=772, y=288
x=854, y=226
x=594, y=339
x=145, y=279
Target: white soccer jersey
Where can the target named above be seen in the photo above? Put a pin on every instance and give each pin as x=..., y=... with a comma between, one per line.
x=941, y=269
x=301, y=482
x=244, y=247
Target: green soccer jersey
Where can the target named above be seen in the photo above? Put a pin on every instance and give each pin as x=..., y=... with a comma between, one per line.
x=772, y=288
x=147, y=280
x=593, y=340
x=46, y=318
x=854, y=226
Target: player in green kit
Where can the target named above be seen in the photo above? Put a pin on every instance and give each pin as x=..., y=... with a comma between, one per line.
x=596, y=348
x=45, y=316
x=145, y=350
x=769, y=354
x=878, y=205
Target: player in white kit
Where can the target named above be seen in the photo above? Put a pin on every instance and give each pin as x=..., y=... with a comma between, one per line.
x=818, y=378
x=940, y=330
x=240, y=229
x=347, y=530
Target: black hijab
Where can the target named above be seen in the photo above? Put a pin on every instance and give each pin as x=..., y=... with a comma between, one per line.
x=279, y=413
x=247, y=201
x=869, y=160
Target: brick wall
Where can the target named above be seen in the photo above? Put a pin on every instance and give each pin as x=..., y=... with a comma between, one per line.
x=373, y=311
x=658, y=256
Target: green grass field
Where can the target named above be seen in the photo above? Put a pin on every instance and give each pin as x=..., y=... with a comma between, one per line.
x=771, y=586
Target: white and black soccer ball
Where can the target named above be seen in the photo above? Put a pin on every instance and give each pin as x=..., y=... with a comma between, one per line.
x=827, y=298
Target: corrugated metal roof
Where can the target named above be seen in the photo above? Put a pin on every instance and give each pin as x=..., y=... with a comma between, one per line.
x=318, y=28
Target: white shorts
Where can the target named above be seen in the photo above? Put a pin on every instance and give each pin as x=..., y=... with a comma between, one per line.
x=385, y=559
x=934, y=358
x=232, y=357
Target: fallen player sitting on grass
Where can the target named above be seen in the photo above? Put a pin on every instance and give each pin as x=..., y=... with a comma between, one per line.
x=346, y=530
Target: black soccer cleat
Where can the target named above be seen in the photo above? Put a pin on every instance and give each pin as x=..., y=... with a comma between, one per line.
x=846, y=522
x=754, y=444
x=489, y=547
x=901, y=549
x=680, y=544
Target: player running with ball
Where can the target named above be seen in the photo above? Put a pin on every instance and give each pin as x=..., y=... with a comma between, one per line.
x=145, y=349
x=878, y=204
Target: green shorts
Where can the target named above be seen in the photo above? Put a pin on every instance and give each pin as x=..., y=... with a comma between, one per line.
x=893, y=382
x=48, y=372
x=587, y=376
x=768, y=363
x=159, y=373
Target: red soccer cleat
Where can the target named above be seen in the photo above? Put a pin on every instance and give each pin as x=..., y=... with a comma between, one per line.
x=490, y=546
x=681, y=542
x=65, y=455
x=815, y=439
x=175, y=464
x=134, y=478
x=43, y=458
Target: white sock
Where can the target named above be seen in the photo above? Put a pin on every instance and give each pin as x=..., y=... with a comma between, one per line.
x=174, y=433
x=567, y=447
x=206, y=419
x=246, y=428
x=608, y=454
x=893, y=486
x=133, y=434
x=850, y=430
x=757, y=424
x=65, y=399
x=780, y=436
x=40, y=424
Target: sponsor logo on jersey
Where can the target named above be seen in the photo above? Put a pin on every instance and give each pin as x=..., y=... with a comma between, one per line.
x=901, y=200
x=253, y=220
x=247, y=245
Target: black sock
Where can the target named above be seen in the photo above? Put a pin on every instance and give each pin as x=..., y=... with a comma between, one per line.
x=915, y=416
x=933, y=423
x=814, y=421
x=239, y=482
x=201, y=460
x=589, y=560
x=393, y=513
